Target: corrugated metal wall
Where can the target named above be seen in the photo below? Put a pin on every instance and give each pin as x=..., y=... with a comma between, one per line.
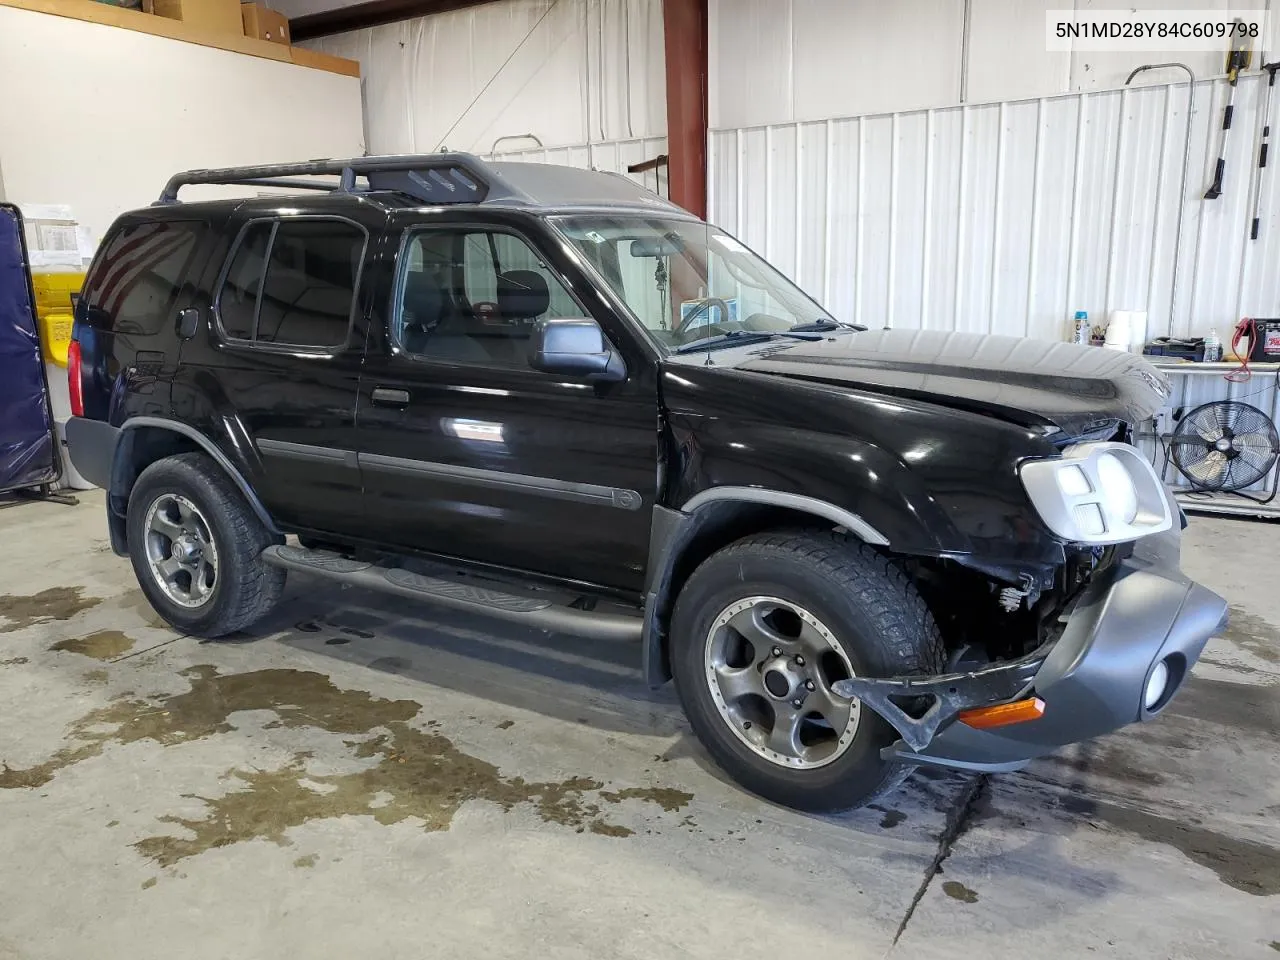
x=566, y=71
x=1008, y=217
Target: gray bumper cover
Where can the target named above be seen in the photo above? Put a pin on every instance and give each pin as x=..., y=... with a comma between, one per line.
x=1135, y=615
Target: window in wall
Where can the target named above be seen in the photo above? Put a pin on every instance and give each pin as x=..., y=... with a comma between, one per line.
x=474, y=297
x=293, y=283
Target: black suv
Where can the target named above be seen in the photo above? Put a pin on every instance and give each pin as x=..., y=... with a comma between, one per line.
x=553, y=397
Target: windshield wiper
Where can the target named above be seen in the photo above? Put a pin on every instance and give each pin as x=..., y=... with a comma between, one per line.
x=826, y=323
x=743, y=336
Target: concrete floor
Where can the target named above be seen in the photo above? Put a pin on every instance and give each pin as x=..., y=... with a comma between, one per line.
x=368, y=777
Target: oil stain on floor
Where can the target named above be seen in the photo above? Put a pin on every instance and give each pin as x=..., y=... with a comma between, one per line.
x=103, y=645
x=137, y=602
x=56, y=603
x=408, y=773
x=1254, y=634
x=958, y=891
x=1243, y=864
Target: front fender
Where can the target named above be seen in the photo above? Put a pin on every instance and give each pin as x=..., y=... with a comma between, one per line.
x=891, y=503
x=934, y=480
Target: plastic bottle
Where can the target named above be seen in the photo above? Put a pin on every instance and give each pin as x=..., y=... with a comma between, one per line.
x=1212, y=346
x=1081, y=327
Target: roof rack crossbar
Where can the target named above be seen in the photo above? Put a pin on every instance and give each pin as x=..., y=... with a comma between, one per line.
x=286, y=182
x=452, y=177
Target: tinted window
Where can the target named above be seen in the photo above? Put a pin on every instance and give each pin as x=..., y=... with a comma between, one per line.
x=474, y=296
x=305, y=294
x=137, y=275
x=238, y=302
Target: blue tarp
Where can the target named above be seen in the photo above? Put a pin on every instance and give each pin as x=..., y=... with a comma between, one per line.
x=28, y=451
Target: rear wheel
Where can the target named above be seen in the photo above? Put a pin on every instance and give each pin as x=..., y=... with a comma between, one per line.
x=763, y=629
x=195, y=546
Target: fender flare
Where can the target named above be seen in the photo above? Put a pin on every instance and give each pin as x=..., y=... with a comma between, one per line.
x=793, y=501
x=672, y=531
x=209, y=447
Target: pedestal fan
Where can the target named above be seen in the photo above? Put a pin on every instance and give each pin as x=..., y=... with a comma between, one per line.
x=1224, y=446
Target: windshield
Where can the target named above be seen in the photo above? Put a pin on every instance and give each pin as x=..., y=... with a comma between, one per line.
x=687, y=281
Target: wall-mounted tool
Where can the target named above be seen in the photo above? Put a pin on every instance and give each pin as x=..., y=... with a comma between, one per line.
x=1271, y=69
x=1238, y=58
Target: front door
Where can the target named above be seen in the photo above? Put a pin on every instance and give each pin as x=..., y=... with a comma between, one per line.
x=467, y=451
x=282, y=356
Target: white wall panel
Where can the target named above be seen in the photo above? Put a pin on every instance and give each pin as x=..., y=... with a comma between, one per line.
x=868, y=56
x=1008, y=217
x=1092, y=70
x=784, y=61
x=774, y=61
x=568, y=72
x=203, y=107
x=1007, y=57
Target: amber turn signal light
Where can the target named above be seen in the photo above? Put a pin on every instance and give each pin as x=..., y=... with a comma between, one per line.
x=1003, y=714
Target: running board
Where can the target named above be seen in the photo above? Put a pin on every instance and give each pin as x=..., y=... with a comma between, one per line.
x=534, y=612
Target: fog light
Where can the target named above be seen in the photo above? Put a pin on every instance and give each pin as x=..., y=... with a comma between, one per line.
x=1157, y=683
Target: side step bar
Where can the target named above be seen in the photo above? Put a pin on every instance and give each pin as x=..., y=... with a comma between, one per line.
x=534, y=612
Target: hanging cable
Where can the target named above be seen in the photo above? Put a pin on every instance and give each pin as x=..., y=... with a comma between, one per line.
x=498, y=72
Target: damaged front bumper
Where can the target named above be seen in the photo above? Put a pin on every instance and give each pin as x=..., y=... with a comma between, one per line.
x=1135, y=616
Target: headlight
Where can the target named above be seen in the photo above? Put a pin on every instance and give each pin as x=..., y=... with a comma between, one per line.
x=1098, y=493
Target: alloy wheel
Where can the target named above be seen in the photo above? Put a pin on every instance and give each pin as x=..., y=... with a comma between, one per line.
x=770, y=664
x=181, y=551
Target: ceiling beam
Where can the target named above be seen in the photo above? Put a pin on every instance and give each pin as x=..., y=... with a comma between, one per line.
x=370, y=14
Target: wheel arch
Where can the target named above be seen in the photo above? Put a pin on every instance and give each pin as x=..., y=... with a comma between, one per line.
x=682, y=539
x=145, y=440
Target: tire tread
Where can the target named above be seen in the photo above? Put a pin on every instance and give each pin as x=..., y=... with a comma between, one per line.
x=255, y=587
x=900, y=628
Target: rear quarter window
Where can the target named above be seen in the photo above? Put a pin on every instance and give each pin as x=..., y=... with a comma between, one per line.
x=137, y=275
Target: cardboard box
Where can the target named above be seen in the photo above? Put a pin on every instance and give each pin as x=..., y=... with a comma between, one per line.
x=215, y=16
x=264, y=23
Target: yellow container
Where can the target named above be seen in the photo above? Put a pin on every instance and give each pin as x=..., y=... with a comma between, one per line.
x=53, y=312
x=54, y=290
x=55, y=337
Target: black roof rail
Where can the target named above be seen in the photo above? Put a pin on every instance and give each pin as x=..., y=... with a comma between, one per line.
x=437, y=178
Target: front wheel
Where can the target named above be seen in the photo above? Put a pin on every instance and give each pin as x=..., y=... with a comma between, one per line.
x=762, y=630
x=196, y=548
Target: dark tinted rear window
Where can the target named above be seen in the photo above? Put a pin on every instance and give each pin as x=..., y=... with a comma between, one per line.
x=137, y=275
x=293, y=282
x=238, y=301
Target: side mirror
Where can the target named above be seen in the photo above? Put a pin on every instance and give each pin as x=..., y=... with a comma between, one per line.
x=577, y=348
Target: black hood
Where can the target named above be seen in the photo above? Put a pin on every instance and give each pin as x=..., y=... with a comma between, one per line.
x=1031, y=382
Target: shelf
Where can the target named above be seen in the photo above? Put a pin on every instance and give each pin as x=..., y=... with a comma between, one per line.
x=1225, y=504
x=104, y=13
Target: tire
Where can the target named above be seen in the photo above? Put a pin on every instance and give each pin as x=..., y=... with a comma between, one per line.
x=876, y=625
x=241, y=588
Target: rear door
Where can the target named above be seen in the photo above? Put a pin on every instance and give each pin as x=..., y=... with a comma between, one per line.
x=468, y=451
x=274, y=372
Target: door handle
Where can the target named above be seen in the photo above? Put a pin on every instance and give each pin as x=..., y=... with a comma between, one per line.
x=187, y=322
x=388, y=397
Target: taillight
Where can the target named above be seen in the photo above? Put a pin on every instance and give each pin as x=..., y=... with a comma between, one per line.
x=74, y=387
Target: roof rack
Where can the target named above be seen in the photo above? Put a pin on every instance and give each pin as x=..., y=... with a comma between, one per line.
x=438, y=178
